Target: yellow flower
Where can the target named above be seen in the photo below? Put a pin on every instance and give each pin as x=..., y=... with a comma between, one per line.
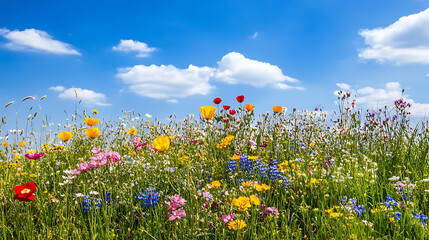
x=33, y=175
x=215, y=184
x=21, y=143
x=242, y=203
x=262, y=187
x=313, y=180
x=255, y=200
x=5, y=144
x=249, y=107
x=237, y=224
x=92, y=132
x=247, y=184
x=161, y=143
x=208, y=111
x=91, y=121
x=65, y=136
x=131, y=131
x=335, y=215
x=94, y=112
x=277, y=109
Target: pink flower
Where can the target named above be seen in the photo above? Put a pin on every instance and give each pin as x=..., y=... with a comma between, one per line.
x=173, y=207
x=177, y=199
x=136, y=140
x=96, y=150
x=178, y=214
x=228, y=218
x=34, y=155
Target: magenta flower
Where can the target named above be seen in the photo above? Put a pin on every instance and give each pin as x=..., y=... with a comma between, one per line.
x=177, y=214
x=136, y=140
x=34, y=156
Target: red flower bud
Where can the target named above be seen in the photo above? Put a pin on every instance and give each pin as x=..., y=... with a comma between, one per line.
x=232, y=112
x=226, y=107
x=240, y=98
x=217, y=100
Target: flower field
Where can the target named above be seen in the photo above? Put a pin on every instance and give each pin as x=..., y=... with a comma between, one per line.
x=224, y=174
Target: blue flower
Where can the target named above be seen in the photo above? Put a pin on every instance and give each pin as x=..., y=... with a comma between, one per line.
x=149, y=198
x=397, y=216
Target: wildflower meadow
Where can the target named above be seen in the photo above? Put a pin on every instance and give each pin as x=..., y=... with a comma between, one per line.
x=225, y=173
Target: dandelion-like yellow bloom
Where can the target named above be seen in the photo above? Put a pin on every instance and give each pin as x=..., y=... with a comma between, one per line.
x=161, y=143
x=208, y=111
x=247, y=184
x=92, y=132
x=94, y=112
x=242, y=203
x=5, y=144
x=21, y=143
x=131, y=131
x=91, y=121
x=260, y=187
x=215, y=184
x=255, y=200
x=226, y=142
x=65, y=136
x=277, y=109
x=237, y=224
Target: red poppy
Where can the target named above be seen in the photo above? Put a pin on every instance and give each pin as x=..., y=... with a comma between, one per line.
x=240, y=98
x=217, y=100
x=25, y=192
x=226, y=107
x=232, y=112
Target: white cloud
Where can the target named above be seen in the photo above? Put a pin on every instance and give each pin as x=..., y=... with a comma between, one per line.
x=142, y=49
x=167, y=82
x=379, y=97
x=88, y=97
x=405, y=41
x=427, y=74
x=234, y=68
x=173, y=100
x=57, y=88
x=254, y=35
x=343, y=86
x=35, y=40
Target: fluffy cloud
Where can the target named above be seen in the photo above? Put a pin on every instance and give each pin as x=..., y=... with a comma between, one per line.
x=141, y=48
x=405, y=41
x=35, y=40
x=167, y=82
x=88, y=97
x=57, y=88
x=343, y=86
x=379, y=97
x=234, y=68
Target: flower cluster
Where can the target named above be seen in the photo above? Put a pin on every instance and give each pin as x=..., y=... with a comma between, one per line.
x=173, y=207
x=149, y=198
x=226, y=142
x=96, y=162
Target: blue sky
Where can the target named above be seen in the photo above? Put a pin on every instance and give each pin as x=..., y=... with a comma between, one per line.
x=288, y=53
